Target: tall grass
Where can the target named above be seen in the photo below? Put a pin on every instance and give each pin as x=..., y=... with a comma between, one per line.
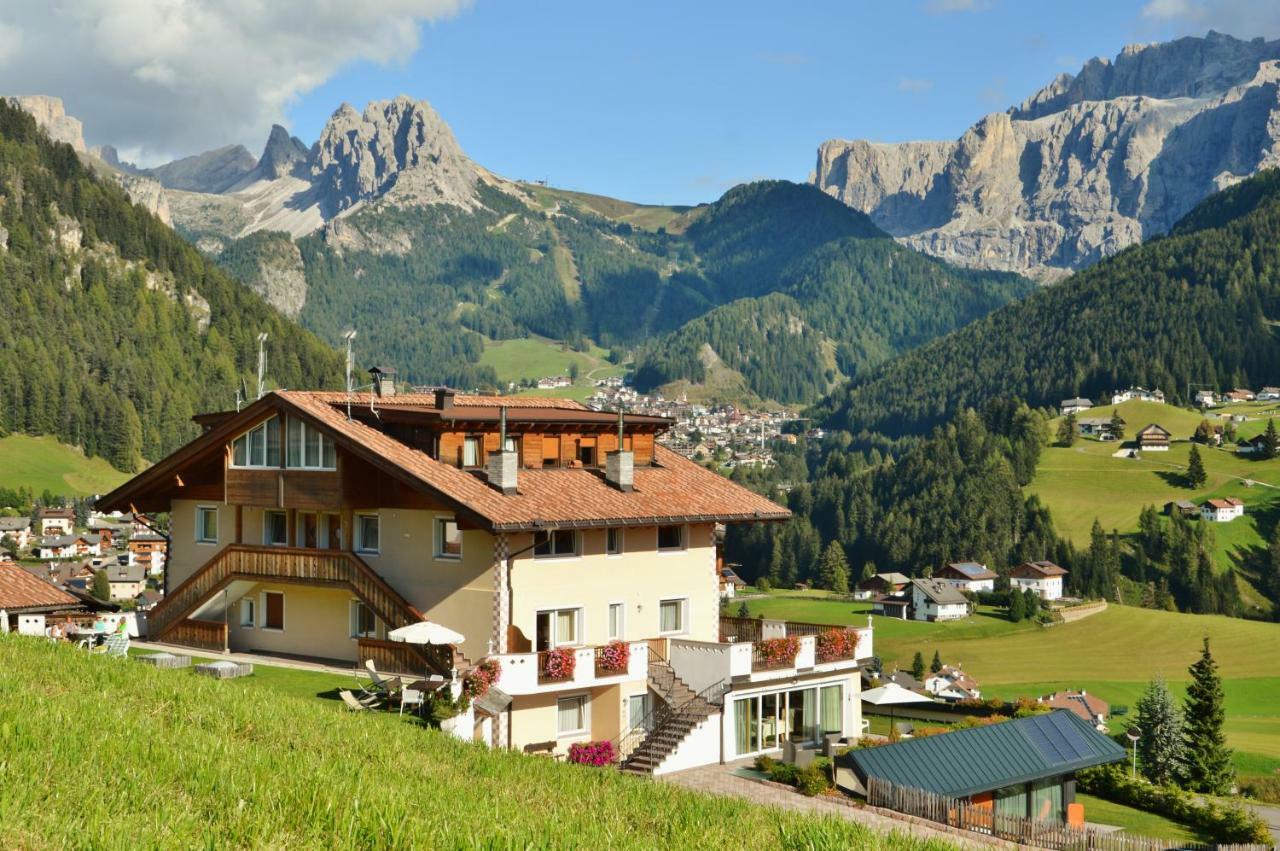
x=104, y=753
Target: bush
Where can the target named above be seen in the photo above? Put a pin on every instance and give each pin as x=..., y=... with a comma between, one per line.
x=812, y=781
x=593, y=753
x=1230, y=823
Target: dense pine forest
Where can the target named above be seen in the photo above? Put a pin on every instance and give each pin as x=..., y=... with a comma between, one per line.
x=116, y=329
x=1197, y=307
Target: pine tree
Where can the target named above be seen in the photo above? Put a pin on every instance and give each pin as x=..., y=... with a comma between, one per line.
x=1160, y=749
x=1208, y=759
x=1196, y=475
x=917, y=666
x=1270, y=440
x=936, y=665
x=834, y=569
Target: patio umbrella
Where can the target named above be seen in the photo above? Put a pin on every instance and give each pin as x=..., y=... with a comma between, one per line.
x=891, y=695
x=426, y=632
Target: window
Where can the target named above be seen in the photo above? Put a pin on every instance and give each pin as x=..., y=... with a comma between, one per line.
x=273, y=610
x=206, y=525
x=557, y=628
x=562, y=543
x=247, y=614
x=275, y=528
x=363, y=622
x=671, y=615
x=471, y=452
x=448, y=538
x=613, y=542
x=670, y=537
x=258, y=447
x=615, y=621
x=571, y=715
x=307, y=448
x=367, y=533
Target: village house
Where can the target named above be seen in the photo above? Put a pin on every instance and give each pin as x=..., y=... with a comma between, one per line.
x=563, y=545
x=1153, y=438
x=968, y=576
x=1221, y=510
x=937, y=600
x=951, y=683
x=1139, y=393
x=1043, y=577
x=55, y=521
x=68, y=546
x=1075, y=406
x=17, y=528
x=1088, y=707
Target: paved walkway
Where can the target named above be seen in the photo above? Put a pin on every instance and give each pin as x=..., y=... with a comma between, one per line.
x=721, y=780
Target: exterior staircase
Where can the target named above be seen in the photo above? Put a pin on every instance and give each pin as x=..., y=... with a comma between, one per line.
x=648, y=743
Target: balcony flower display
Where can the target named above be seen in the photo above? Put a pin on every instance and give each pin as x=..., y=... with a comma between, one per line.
x=835, y=645
x=613, y=658
x=778, y=652
x=558, y=663
x=593, y=753
x=476, y=682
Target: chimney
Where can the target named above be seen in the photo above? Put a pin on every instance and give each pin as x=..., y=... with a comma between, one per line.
x=444, y=398
x=384, y=381
x=619, y=466
x=503, y=464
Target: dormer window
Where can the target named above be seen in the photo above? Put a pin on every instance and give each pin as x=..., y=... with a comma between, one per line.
x=258, y=447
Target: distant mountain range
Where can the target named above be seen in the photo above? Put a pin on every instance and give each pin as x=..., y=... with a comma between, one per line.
x=1089, y=165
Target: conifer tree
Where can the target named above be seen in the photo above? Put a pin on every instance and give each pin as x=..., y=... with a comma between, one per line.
x=834, y=570
x=936, y=665
x=1208, y=759
x=1160, y=749
x=1196, y=475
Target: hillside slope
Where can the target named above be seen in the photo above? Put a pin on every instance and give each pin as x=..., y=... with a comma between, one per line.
x=1195, y=308
x=116, y=330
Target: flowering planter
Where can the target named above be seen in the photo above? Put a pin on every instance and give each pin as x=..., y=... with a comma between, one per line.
x=773, y=653
x=593, y=753
x=836, y=645
x=557, y=664
x=613, y=658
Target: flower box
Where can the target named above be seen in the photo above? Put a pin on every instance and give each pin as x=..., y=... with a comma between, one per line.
x=613, y=658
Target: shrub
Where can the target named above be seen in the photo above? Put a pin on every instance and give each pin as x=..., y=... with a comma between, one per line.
x=835, y=644
x=811, y=781
x=783, y=772
x=476, y=682
x=614, y=657
x=559, y=663
x=592, y=753
x=779, y=652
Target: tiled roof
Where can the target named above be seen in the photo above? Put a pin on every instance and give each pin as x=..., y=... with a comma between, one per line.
x=20, y=590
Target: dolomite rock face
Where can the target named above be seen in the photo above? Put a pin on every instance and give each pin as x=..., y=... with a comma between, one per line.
x=1082, y=169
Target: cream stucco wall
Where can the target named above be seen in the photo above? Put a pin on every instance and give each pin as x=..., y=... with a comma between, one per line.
x=317, y=622
x=640, y=578
x=186, y=556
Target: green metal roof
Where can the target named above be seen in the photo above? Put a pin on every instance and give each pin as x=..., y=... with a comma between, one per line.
x=982, y=759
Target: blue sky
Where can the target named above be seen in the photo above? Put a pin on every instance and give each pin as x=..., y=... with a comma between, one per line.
x=673, y=102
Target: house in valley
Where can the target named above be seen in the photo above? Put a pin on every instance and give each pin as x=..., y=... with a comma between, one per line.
x=574, y=554
x=967, y=576
x=1043, y=577
x=937, y=600
x=950, y=682
x=1088, y=707
x=1221, y=510
x=1074, y=406
x=1153, y=438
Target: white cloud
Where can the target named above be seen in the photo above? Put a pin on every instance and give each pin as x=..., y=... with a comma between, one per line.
x=172, y=77
x=943, y=7
x=908, y=84
x=1240, y=18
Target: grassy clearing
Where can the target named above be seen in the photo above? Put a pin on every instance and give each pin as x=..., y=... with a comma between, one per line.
x=43, y=463
x=109, y=754
x=1137, y=822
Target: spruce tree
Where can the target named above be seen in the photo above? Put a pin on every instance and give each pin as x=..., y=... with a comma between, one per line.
x=936, y=665
x=1196, y=475
x=1160, y=749
x=834, y=569
x=1208, y=759
x=917, y=666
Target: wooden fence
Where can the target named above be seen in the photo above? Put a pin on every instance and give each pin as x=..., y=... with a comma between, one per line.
x=1054, y=835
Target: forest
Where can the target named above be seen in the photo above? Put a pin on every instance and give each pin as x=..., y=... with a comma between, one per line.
x=116, y=329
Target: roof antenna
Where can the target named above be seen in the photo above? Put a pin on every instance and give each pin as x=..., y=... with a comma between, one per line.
x=262, y=364
x=349, y=336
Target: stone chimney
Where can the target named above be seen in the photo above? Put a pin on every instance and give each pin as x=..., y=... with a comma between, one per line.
x=384, y=381
x=619, y=466
x=444, y=398
x=503, y=465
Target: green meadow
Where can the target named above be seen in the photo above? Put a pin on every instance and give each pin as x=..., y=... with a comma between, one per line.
x=43, y=463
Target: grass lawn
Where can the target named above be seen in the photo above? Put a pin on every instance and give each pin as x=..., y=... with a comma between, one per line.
x=43, y=463
x=1137, y=822
x=105, y=753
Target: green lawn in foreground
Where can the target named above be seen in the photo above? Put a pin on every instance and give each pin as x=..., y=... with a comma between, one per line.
x=1138, y=822
x=106, y=753
x=43, y=463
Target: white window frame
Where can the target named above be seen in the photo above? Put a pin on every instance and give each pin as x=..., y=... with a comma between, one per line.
x=266, y=527
x=262, y=621
x=579, y=625
x=272, y=422
x=360, y=546
x=354, y=620
x=304, y=430
x=616, y=634
x=577, y=545
x=199, y=530
x=621, y=536
x=249, y=608
x=584, y=714
x=684, y=616
x=437, y=535
x=684, y=538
